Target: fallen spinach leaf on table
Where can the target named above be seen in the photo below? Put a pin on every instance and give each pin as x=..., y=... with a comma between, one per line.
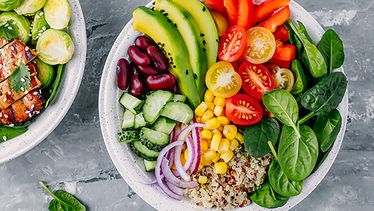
x=62, y=200
x=332, y=49
x=327, y=128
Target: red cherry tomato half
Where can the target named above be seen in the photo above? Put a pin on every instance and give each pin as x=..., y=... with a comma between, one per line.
x=282, y=34
x=256, y=79
x=243, y=110
x=232, y=44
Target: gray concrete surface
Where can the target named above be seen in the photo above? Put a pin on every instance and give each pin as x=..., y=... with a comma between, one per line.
x=74, y=156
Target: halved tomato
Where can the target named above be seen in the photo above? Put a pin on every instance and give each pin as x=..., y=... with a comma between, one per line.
x=232, y=44
x=243, y=110
x=256, y=79
x=223, y=80
x=260, y=45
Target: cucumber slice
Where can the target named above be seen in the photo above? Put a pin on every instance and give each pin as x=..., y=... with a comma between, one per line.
x=128, y=120
x=128, y=136
x=154, y=104
x=179, y=98
x=131, y=103
x=139, y=121
x=142, y=151
x=178, y=111
x=164, y=125
x=46, y=73
x=152, y=139
x=149, y=165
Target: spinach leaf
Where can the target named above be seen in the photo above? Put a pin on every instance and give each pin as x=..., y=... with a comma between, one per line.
x=326, y=95
x=297, y=154
x=55, y=85
x=257, y=136
x=267, y=197
x=301, y=82
x=291, y=34
x=280, y=182
x=7, y=133
x=310, y=54
x=304, y=31
x=327, y=128
x=332, y=49
x=63, y=201
x=283, y=105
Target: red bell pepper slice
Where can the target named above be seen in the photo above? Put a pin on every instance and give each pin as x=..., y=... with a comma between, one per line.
x=282, y=34
x=267, y=8
x=232, y=11
x=216, y=5
x=246, y=17
x=277, y=19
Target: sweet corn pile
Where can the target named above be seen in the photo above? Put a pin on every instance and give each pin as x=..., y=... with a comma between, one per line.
x=219, y=139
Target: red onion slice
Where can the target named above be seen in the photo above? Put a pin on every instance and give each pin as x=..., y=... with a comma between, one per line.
x=197, y=142
x=178, y=164
x=175, y=189
x=191, y=153
x=169, y=176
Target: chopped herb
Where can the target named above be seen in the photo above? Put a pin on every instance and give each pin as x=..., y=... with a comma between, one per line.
x=20, y=79
x=7, y=32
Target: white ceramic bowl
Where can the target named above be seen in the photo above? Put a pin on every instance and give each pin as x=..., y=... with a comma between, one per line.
x=48, y=120
x=131, y=167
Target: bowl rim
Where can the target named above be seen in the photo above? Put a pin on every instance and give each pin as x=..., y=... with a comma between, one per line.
x=156, y=200
x=26, y=142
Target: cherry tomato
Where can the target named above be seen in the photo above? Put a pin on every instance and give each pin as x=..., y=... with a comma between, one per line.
x=265, y=9
x=232, y=11
x=216, y=5
x=246, y=17
x=222, y=80
x=243, y=110
x=282, y=34
x=260, y=45
x=221, y=22
x=284, y=79
x=256, y=79
x=277, y=19
x=232, y=44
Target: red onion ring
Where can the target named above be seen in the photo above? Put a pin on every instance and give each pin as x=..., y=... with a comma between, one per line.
x=191, y=153
x=178, y=164
x=174, y=188
x=197, y=142
x=169, y=176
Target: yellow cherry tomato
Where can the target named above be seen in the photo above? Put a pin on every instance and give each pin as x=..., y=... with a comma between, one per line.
x=260, y=45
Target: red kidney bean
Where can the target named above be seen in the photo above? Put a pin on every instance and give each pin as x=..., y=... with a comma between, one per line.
x=158, y=58
x=143, y=42
x=137, y=86
x=157, y=82
x=137, y=56
x=123, y=74
x=148, y=70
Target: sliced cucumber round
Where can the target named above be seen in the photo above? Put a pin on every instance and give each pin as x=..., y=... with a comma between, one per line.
x=19, y=23
x=39, y=26
x=143, y=152
x=29, y=7
x=46, y=73
x=57, y=13
x=8, y=5
x=55, y=47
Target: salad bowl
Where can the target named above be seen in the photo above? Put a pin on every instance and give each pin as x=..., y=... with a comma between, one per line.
x=50, y=118
x=130, y=166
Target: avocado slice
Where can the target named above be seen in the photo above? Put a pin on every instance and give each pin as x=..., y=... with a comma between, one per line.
x=19, y=23
x=190, y=32
x=167, y=36
x=206, y=25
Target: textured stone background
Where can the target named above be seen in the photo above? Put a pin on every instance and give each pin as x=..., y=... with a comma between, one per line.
x=74, y=156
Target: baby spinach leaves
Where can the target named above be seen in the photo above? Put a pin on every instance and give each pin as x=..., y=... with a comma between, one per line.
x=267, y=197
x=55, y=85
x=297, y=154
x=7, y=133
x=327, y=128
x=257, y=136
x=280, y=182
x=332, y=49
x=63, y=201
x=310, y=54
x=301, y=82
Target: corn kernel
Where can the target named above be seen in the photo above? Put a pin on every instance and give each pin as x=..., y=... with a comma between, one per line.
x=206, y=162
x=219, y=101
x=224, y=145
x=220, y=128
x=218, y=110
x=206, y=134
x=209, y=155
x=214, y=145
x=202, y=180
x=212, y=124
x=204, y=146
x=216, y=131
x=198, y=119
x=208, y=114
x=240, y=138
x=210, y=105
x=185, y=154
x=183, y=161
x=227, y=156
x=220, y=168
x=199, y=111
x=209, y=96
x=234, y=144
x=216, y=159
x=229, y=131
x=223, y=120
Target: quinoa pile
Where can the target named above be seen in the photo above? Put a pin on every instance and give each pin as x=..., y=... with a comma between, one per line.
x=230, y=190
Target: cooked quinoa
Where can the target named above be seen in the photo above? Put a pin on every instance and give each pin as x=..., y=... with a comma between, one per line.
x=230, y=190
